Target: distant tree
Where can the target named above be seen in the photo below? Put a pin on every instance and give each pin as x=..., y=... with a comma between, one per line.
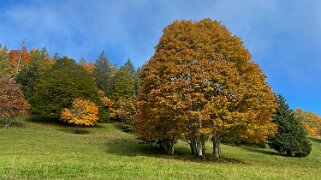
x=62, y=83
x=104, y=110
x=311, y=121
x=4, y=61
x=82, y=112
x=29, y=74
x=135, y=76
x=290, y=138
x=89, y=67
x=123, y=110
x=18, y=59
x=56, y=56
x=201, y=83
x=103, y=71
x=121, y=85
x=12, y=102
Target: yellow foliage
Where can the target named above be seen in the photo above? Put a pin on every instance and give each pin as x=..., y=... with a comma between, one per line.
x=82, y=112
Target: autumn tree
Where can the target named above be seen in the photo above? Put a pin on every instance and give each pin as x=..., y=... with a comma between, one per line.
x=18, y=59
x=81, y=113
x=105, y=108
x=89, y=67
x=62, y=83
x=202, y=83
x=29, y=74
x=311, y=121
x=103, y=71
x=290, y=138
x=12, y=102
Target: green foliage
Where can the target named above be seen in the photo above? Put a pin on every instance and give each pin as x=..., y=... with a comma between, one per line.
x=4, y=61
x=290, y=138
x=103, y=115
x=103, y=71
x=62, y=83
x=121, y=85
x=134, y=75
x=28, y=76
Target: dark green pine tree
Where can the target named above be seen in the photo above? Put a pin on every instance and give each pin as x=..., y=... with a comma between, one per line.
x=290, y=138
x=121, y=85
x=103, y=71
x=134, y=75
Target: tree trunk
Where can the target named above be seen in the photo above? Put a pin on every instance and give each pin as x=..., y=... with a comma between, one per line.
x=203, y=145
x=199, y=148
x=168, y=146
x=192, y=145
x=216, y=146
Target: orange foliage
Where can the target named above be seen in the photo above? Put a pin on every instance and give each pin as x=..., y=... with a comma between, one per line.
x=12, y=101
x=201, y=82
x=90, y=68
x=82, y=112
x=18, y=59
x=311, y=121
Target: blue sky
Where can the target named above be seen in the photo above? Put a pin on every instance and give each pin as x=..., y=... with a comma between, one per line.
x=284, y=36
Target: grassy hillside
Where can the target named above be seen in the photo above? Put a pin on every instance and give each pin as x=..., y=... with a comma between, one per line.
x=51, y=151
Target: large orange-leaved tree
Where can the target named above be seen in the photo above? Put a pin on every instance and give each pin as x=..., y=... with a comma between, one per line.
x=201, y=83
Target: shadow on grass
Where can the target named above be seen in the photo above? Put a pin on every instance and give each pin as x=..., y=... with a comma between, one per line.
x=317, y=140
x=74, y=130
x=132, y=147
x=48, y=120
x=260, y=150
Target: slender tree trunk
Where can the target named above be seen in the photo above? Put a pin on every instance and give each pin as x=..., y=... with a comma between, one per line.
x=203, y=144
x=216, y=146
x=199, y=147
x=192, y=145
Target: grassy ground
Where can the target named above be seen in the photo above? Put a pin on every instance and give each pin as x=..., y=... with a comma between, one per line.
x=52, y=151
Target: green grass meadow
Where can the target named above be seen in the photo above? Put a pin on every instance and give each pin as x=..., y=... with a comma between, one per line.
x=35, y=150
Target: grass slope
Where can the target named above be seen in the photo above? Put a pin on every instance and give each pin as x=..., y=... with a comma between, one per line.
x=51, y=151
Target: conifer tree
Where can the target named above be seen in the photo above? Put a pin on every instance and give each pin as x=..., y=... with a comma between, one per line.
x=4, y=61
x=104, y=69
x=121, y=85
x=290, y=139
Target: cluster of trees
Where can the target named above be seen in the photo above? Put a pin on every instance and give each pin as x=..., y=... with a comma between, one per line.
x=311, y=121
x=72, y=91
x=200, y=85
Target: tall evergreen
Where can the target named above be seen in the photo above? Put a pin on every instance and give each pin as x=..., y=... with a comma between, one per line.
x=121, y=85
x=290, y=138
x=4, y=61
x=103, y=71
x=134, y=75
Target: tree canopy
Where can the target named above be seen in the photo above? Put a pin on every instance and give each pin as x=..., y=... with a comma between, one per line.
x=201, y=82
x=60, y=84
x=12, y=102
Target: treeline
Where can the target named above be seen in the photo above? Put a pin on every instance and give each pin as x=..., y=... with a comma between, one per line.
x=201, y=85
x=51, y=84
